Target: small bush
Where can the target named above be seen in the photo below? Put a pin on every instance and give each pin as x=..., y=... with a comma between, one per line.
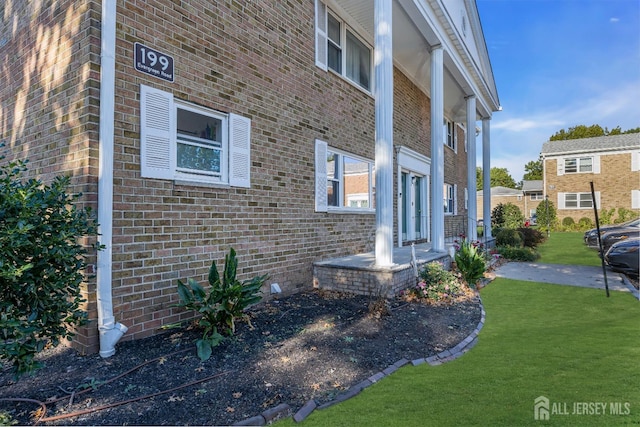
x=531, y=237
x=41, y=265
x=436, y=284
x=585, y=223
x=509, y=237
x=470, y=261
x=518, y=254
x=546, y=214
x=227, y=299
x=568, y=222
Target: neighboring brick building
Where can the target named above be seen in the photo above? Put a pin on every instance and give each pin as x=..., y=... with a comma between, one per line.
x=527, y=199
x=612, y=163
x=196, y=126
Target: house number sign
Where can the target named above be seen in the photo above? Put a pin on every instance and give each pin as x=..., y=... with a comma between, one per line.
x=152, y=62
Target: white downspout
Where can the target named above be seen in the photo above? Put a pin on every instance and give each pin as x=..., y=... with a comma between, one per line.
x=110, y=331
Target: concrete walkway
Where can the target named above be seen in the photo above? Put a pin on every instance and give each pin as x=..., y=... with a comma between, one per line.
x=571, y=275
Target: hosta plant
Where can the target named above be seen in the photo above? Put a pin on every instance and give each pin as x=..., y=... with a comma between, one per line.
x=224, y=303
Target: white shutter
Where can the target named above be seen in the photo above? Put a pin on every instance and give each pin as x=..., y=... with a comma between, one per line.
x=321, y=176
x=597, y=194
x=466, y=198
x=596, y=164
x=560, y=167
x=455, y=199
x=561, y=204
x=635, y=199
x=321, y=35
x=635, y=161
x=239, y=151
x=157, y=128
x=455, y=137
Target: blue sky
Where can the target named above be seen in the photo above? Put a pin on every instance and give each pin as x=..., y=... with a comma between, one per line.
x=559, y=64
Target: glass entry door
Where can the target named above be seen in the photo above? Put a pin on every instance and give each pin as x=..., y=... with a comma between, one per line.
x=414, y=206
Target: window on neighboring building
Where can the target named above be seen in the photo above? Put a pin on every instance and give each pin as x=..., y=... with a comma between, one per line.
x=449, y=192
x=578, y=164
x=578, y=201
x=537, y=196
x=349, y=180
x=449, y=130
x=187, y=142
x=340, y=49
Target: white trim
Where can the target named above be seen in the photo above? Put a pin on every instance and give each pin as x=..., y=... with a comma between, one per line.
x=321, y=176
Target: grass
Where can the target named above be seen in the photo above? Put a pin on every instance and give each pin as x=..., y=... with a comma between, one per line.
x=571, y=345
x=568, y=248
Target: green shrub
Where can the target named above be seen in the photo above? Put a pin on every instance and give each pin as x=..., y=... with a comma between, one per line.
x=625, y=215
x=509, y=237
x=436, y=284
x=507, y=215
x=606, y=216
x=568, y=222
x=470, y=261
x=41, y=265
x=585, y=223
x=225, y=303
x=531, y=237
x=518, y=254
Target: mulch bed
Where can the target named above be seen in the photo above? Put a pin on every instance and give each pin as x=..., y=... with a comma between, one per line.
x=311, y=345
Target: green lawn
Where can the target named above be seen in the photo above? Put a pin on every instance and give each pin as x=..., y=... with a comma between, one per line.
x=568, y=248
x=571, y=345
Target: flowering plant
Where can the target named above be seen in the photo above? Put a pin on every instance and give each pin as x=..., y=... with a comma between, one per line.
x=436, y=284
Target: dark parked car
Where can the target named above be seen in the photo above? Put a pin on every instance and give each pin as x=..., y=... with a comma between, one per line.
x=624, y=256
x=591, y=236
x=616, y=235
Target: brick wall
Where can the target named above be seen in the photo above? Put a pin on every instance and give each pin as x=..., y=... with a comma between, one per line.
x=253, y=58
x=614, y=182
x=49, y=97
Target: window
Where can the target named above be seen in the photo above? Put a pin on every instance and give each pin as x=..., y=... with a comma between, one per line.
x=340, y=49
x=181, y=141
x=536, y=196
x=577, y=200
x=449, y=199
x=450, y=137
x=578, y=164
x=343, y=181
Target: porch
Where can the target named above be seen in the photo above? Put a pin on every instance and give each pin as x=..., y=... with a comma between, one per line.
x=359, y=274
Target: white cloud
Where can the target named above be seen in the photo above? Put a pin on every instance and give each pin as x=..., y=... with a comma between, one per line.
x=614, y=20
x=521, y=125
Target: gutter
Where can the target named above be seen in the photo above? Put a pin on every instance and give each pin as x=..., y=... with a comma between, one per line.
x=109, y=330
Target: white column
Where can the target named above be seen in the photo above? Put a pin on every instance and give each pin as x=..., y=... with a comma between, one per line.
x=437, y=149
x=472, y=217
x=383, y=94
x=486, y=177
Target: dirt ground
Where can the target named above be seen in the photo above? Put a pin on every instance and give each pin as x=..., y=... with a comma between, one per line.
x=312, y=345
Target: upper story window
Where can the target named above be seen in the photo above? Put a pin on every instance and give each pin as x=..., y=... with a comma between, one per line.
x=339, y=48
x=449, y=192
x=578, y=164
x=186, y=142
x=343, y=181
x=537, y=196
x=450, y=134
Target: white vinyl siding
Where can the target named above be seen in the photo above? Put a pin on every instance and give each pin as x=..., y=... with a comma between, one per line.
x=221, y=158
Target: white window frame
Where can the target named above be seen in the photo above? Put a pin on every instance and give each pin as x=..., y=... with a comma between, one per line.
x=582, y=200
x=449, y=202
x=159, y=142
x=323, y=150
x=536, y=196
x=579, y=160
x=450, y=137
x=323, y=42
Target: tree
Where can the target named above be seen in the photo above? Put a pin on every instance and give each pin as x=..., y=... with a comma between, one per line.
x=499, y=177
x=507, y=215
x=546, y=214
x=582, y=131
x=533, y=170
